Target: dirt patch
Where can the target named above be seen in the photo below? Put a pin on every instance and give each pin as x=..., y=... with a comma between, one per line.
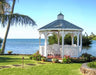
x=17, y=65
x=40, y=63
x=0, y=68
x=5, y=67
x=31, y=64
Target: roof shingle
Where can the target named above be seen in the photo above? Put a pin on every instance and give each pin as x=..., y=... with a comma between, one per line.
x=60, y=24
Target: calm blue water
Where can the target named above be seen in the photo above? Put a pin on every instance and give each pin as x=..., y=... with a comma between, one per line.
x=30, y=46
x=23, y=46
x=90, y=50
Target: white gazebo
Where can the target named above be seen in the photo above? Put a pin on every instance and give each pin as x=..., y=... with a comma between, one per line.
x=61, y=27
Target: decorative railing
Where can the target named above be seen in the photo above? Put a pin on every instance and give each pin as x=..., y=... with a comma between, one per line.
x=57, y=50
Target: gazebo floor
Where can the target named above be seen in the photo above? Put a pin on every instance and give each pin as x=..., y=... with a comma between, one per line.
x=57, y=57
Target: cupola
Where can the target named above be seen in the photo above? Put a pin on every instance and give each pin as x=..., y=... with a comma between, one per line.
x=60, y=16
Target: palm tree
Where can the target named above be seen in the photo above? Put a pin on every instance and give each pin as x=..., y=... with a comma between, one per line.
x=14, y=19
x=4, y=6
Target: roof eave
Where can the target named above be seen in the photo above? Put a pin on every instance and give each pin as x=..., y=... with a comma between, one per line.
x=60, y=29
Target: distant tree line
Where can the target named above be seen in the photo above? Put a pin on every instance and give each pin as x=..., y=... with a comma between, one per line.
x=92, y=36
x=86, y=41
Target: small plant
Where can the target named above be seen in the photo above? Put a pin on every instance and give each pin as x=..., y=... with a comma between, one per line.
x=66, y=59
x=36, y=56
x=54, y=60
x=44, y=59
x=10, y=52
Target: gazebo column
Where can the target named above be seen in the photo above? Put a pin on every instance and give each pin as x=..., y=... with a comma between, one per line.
x=63, y=35
x=45, y=52
x=39, y=39
x=58, y=38
x=81, y=40
x=40, y=50
x=78, y=44
x=72, y=38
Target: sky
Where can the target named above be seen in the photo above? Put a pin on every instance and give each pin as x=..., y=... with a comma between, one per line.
x=79, y=12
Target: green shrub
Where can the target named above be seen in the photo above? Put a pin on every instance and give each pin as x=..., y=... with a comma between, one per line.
x=75, y=60
x=92, y=64
x=54, y=60
x=87, y=57
x=66, y=59
x=44, y=59
x=82, y=59
x=35, y=56
x=92, y=58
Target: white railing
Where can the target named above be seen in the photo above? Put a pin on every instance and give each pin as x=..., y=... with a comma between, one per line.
x=57, y=50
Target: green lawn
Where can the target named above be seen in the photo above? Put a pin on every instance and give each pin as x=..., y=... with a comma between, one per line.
x=39, y=69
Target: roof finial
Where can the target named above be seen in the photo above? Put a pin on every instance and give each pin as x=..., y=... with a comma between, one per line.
x=60, y=16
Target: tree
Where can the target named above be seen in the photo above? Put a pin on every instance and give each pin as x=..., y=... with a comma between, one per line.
x=4, y=6
x=12, y=19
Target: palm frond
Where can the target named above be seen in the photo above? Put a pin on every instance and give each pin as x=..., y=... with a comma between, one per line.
x=17, y=19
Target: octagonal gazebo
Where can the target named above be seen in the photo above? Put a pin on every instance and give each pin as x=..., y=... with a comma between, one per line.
x=61, y=27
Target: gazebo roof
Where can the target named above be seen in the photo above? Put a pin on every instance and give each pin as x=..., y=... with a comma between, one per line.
x=60, y=24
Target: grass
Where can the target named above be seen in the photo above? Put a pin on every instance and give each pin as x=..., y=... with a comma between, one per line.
x=40, y=69
x=92, y=64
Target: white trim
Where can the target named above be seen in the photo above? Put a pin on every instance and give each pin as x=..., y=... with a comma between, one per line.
x=60, y=29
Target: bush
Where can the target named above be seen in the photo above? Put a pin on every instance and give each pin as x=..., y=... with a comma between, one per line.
x=44, y=59
x=92, y=64
x=75, y=60
x=92, y=58
x=35, y=56
x=54, y=60
x=87, y=57
x=66, y=59
x=83, y=59
x=86, y=41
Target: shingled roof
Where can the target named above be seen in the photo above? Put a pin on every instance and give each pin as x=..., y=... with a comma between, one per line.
x=60, y=24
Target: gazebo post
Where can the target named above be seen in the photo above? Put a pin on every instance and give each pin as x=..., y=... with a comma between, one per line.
x=78, y=44
x=39, y=42
x=72, y=38
x=45, y=53
x=81, y=40
x=39, y=39
x=63, y=35
x=58, y=38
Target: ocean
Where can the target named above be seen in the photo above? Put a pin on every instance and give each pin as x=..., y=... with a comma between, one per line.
x=23, y=46
x=30, y=46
